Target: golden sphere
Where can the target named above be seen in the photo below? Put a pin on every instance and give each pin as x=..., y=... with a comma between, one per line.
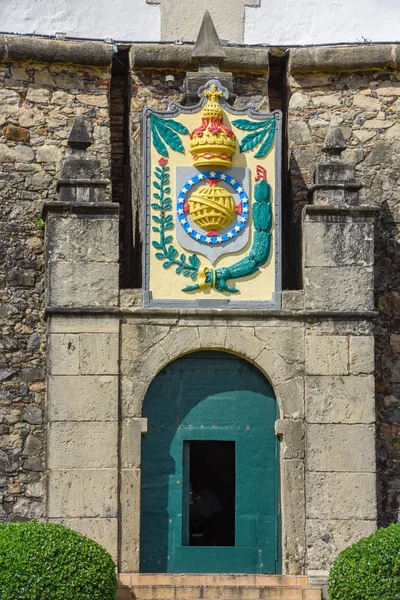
x=212, y=207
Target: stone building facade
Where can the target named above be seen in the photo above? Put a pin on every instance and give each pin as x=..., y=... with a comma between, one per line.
x=79, y=349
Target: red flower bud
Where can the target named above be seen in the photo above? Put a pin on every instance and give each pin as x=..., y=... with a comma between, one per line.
x=162, y=162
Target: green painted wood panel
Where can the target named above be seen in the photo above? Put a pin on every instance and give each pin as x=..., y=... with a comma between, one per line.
x=210, y=396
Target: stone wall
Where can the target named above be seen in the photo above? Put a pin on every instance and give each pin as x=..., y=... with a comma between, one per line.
x=38, y=103
x=367, y=107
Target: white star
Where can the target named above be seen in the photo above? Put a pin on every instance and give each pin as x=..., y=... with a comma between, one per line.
x=219, y=239
x=208, y=240
x=198, y=236
x=200, y=176
x=213, y=173
x=223, y=176
x=240, y=189
x=180, y=200
x=233, y=181
x=230, y=234
x=243, y=219
x=190, y=182
x=180, y=211
x=245, y=209
x=184, y=190
x=189, y=230
x=183, y=221
x=237, y=228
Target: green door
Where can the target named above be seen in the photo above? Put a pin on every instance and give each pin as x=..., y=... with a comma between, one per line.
x=210, y=474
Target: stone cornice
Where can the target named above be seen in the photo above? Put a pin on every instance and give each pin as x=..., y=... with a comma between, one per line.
x=30, y=48
x=253, y=59
x=207, y=313
x=352, y=57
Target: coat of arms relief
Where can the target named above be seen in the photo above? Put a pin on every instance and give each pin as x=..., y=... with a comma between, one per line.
x=212, y=210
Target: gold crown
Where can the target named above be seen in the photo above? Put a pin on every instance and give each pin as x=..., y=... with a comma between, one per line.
x=212, y=144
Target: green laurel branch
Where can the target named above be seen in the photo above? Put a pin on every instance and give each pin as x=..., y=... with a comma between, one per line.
x=262, y=132
x=163, y=223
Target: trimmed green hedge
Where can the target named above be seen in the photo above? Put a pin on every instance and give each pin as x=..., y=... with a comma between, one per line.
x=46, y=561
x=369, y=569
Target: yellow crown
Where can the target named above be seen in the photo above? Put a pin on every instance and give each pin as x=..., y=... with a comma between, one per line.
x=212, y=144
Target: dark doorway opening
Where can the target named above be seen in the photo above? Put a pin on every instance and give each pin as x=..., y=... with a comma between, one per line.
x=211, y=476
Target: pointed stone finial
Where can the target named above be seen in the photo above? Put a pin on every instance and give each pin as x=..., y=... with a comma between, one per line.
x=208, y=45
x=335, y=143
x=79, y=138
x=335, y=183
x=208, y=52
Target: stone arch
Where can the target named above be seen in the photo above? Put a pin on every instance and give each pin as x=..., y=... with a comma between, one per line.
x=149, y=346
x=172, y=343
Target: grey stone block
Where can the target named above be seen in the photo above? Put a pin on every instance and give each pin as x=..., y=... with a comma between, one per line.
x=102, y=531
x=77, y=324
x=326, y=538
x=294, y=543
x=341, y=448
x=327, y=355
x=341, y=495
x=99, y=353
x=82, y=398
x=83, y=284
x=292, y=435
x=337, y=399
x=338, y=244
x=81, y=493
x=132, y=393
x=362, y=354
x=339, y=288
x=77, y=239
x=130, y=520
x=82, y=445
x=287, y=342
x=63, y=354
x=131, y=443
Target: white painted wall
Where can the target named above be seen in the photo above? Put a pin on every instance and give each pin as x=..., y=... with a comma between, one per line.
x=274, y=22
x=278, y=22
x=122, y=20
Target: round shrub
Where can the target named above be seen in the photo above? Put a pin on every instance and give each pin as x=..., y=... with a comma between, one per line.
x=46, y=561
x=369, y=569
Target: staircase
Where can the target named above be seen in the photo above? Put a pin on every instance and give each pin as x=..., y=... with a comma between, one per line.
x=149, y=586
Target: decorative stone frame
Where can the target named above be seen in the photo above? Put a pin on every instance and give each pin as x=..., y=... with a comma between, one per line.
x=147, y=348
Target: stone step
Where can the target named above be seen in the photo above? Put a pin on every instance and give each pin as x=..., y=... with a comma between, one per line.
x=218, y=587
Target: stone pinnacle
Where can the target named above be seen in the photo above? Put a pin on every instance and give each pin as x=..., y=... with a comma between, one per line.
x=79, y=137
x=208, y=44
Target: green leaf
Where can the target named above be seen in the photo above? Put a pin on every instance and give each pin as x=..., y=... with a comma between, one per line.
x=194, y=261
x=155, y=229
x=267, y=143
x=157, y=219
x=157, y=185
x=167, y=264
x=155, y=206
x=170, y=137
x=157, y=245
x=250, y=125
x=160, y=255
x=175, y=125
x=157, y=142
x=251, y=140
x=168, y=239
x=172, y=252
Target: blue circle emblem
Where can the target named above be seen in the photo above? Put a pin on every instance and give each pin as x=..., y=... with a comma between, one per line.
x=198, y=235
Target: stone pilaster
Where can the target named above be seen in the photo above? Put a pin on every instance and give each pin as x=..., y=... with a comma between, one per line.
x=339, y=362
x=82, y=393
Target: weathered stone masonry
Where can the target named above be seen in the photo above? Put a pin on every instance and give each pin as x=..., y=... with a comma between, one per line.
x=104, y=348
x=38, y=102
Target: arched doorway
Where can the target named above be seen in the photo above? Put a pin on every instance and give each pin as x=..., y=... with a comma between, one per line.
x=210, y=469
